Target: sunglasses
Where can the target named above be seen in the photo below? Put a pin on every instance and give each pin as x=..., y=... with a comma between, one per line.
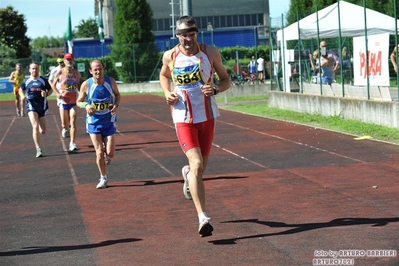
x=188, y=35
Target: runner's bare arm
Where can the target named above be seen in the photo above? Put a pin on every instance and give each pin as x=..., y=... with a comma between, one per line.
x=164, y=79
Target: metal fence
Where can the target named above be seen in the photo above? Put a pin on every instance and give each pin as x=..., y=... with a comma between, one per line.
x=7, y=65
x=296, y=72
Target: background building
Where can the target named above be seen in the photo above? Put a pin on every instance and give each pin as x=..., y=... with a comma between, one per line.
x=213, y=15
x=109, y=10
x=222, y=23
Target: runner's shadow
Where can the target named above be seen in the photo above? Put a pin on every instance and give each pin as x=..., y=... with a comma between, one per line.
x=139, y=143
x=141, y=183
x=45, y=249
x=93, y=151
x=144, y=143
x=137, y=131
x=66, y=152
x=298, y=228
x=223, y=177
x=11, y=115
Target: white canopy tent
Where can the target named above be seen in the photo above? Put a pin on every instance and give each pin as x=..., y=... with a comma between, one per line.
x=351, y=18
x=326, y=23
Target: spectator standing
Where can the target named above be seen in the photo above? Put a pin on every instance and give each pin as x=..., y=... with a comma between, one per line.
x=252, y=69
x=326, y=53
x=393, y=58
x=315, y=64
x=252, y=66
x=327, y=69
x=261, y=68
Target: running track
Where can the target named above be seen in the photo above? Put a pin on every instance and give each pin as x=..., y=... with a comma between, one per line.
x=277, y=192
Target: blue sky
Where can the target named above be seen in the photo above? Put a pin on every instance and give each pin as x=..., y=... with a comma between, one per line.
x=277, y=7
x=50, y=17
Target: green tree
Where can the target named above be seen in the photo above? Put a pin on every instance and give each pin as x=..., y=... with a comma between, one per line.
x=47, y=42
x=134, y=41
x=390, y=8
x=87, y=29
x=7, y=57
x=302, y=8
x=13, y=31
x=307, y=7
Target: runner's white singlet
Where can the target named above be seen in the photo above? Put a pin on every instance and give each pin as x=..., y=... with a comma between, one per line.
x=189, y=73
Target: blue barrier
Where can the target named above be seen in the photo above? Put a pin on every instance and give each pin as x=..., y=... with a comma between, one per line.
x=5, y=86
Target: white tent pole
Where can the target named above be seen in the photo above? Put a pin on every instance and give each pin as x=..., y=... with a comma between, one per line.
x=367, y=50
x=300, y=55
x=396, y=42
x=283, y=47
x=340, y=50
x=318, y=47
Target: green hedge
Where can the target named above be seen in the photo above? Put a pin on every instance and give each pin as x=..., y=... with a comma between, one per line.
x=228, y=55
x=108, y=65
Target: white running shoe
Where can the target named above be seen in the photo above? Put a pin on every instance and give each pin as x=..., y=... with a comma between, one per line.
x=39, y=152
x=64, y=133
x=73, y=146
x=102, y=184
x=205, y=228
x=186, y=190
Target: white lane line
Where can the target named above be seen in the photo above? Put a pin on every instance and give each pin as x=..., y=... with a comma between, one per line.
x=239, y=156
x=153, y=119
x=146, y=154
x=8, y=129
x=295, y=142
x=214, y=144
x=158, y=163
x=71, y=169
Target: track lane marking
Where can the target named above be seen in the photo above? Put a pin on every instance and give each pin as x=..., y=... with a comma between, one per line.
x=213, y=144
x=292, y=141
x=70, y=166
x=6, y=133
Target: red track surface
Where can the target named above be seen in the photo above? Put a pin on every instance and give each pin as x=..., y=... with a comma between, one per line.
x=277, y=192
